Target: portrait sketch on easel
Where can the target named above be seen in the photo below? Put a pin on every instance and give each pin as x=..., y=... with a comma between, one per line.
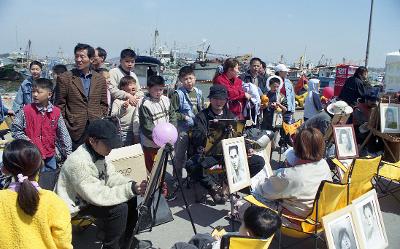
x=237, y=168
x=390, y=118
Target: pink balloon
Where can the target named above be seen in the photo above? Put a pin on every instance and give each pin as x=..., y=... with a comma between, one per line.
x=327, y=92
x=164, y=133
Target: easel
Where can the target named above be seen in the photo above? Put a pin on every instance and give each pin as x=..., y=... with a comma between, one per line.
x=374, y=124
x=156, y=186
x=229, y=131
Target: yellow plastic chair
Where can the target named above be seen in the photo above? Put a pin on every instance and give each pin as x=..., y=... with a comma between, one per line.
x=240, y=242
x=329, y=198
x=391, y=173
x=360, y=175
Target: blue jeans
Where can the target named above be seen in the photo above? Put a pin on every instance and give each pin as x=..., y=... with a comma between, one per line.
x=50, y=164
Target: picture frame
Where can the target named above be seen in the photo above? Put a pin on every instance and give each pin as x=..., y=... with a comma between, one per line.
x=345, y=141
x=340, y=230
x=389, y=117
x=369, y=222
x=236, y=164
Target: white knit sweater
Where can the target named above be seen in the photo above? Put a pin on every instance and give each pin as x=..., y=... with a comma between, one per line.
x=115, y=76
x=82, y=181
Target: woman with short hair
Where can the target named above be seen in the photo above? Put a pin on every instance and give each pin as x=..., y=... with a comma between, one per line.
x=230, y=79
x=296, y=185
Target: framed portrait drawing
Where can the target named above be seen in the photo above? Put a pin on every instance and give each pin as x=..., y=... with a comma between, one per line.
x=345, y=140
x=340, y=230
x=390, y=118
x=237, y=167
x=369, y=222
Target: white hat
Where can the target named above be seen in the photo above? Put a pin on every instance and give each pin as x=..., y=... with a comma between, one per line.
x=281, y=68
x=339, y=107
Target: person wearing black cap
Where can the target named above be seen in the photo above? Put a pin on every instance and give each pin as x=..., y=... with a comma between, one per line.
x=90, y=186
x=216, y=110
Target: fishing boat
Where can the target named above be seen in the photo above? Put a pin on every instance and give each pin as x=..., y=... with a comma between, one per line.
x=204, y=68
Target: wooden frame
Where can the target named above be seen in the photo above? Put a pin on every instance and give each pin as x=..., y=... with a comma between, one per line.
x=340, y=228
x=393, y=125
x=236, y=164
x=369, y=222
x=346, y=147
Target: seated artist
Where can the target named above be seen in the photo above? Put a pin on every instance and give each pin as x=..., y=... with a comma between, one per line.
x=216, y=110
x=92, y=187
x=361, y=116
x=296, y=186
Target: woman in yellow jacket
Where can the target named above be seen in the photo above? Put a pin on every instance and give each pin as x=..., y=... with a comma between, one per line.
x=30, y=217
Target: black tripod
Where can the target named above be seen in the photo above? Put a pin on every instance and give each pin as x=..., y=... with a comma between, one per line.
x=145, y=208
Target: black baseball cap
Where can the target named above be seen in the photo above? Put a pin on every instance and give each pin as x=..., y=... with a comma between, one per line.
x=106, y=131
x=218, y=92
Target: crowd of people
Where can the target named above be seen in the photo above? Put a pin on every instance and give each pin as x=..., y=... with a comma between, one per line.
x=72, y=120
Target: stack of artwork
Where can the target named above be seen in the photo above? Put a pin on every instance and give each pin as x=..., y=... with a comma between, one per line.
x=359, y=225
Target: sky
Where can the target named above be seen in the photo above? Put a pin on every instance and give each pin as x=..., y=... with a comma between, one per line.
x=267, y=29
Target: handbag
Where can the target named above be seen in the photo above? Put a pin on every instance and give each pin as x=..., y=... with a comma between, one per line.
x=162, y=216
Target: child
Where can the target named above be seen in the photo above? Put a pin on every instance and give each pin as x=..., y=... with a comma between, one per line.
x=58, y=70
x=24, y=94
x=186, y=102
x=252, y=108
x=312, y=104
x=31, y=216
x=275, y=101
x=123, y=110
x=154, y=109
x=257, y=222
x=43, y=124
x=127, y=63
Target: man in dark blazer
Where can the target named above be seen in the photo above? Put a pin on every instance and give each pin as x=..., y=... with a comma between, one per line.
x=81, y=94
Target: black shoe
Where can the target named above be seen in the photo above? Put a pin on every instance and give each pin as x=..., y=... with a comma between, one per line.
x=141, y=244
x=216, y=196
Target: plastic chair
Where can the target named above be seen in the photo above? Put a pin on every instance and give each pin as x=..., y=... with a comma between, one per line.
x=360, y=175
x=239, y=242
x=329, y=198
x=391, y=173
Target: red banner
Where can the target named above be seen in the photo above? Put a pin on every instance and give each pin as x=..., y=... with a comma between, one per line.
x=342, y=73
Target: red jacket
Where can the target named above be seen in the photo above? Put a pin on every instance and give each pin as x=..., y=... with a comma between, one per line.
x=236, y=97
x=42, y=129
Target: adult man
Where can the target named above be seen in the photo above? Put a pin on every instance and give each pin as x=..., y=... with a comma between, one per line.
x=236, y=163
x=217, y=110
x=256, y=73
x=355, y=87
x=286, y=90
x=81, y=94
x=90, y=186
x=100, y=56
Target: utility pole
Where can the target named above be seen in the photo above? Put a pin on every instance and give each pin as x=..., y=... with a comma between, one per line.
x=369, y=33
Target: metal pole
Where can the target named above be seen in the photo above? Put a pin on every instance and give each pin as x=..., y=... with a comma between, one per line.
x=369, y=33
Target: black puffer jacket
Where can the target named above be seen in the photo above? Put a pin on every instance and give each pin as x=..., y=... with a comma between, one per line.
x=353, y=89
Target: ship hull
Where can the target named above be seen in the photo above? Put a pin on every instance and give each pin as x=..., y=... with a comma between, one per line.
x=205, y=72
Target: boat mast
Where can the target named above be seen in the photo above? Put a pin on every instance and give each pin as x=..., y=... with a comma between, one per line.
x=369, y=33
